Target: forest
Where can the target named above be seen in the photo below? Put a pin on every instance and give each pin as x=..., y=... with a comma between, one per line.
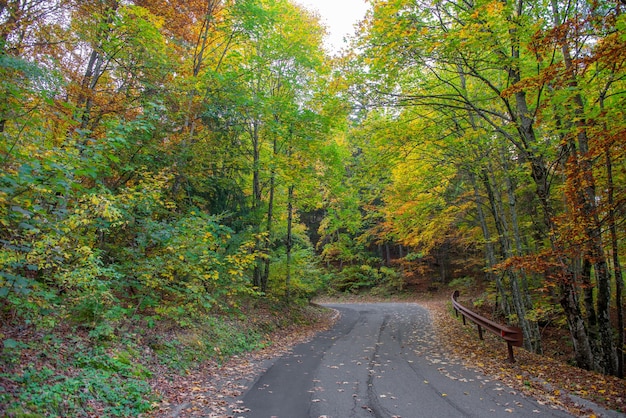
x=183, y=162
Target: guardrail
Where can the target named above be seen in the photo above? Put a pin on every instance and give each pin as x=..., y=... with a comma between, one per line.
x=511, y=335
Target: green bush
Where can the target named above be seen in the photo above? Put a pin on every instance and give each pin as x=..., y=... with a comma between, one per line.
x=307, y=278
x=462, y=283
x=364, y=276
x=100, y=384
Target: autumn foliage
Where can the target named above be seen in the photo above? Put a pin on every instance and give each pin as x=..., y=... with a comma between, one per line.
x=164, y=162
x=505, y=123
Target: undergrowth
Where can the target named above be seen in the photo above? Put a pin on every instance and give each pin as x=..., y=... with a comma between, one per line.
x=68, y=378
x=69, y=371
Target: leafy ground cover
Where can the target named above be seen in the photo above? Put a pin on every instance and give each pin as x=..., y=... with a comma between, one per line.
x=142, y=368
x=64, y=373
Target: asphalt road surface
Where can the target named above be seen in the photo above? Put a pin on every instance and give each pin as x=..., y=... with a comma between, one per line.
x=379, y=360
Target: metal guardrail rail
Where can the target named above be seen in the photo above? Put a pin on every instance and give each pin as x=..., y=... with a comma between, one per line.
x=511, y=335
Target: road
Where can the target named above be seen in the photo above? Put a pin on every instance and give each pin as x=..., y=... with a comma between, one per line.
x=380, y=360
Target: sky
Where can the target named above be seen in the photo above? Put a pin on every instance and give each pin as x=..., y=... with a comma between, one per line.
x=339, y=16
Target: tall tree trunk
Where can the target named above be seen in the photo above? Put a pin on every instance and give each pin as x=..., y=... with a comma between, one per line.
x=256, y=196
x=88, y=85
x=270, y=223
x=532, y=340
x=521, y=296
x=289, y=242
x=494, y=204
x=490, y=254
x=387, y=255
x=489, y=248
x=617, y=268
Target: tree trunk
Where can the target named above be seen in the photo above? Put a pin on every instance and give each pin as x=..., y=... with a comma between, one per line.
x=256, y=196
x=270, y=224
x=289, y=243
x=617, y=268
x=95, y=69
x=521, y=297
x=582, y=346
x=490, y=255
x=203, y=37
x=588, y=302
x=532, y=340
x=387, y=255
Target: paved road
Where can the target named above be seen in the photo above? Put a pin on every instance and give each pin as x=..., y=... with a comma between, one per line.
x=379, y=361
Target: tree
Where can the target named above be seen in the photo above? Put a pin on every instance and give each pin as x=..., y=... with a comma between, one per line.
x=279, y=50
x=489, y=67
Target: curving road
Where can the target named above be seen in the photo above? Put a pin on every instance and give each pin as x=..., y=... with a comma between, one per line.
x=379, y=361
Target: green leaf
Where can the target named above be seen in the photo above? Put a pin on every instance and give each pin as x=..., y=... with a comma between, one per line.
x=10, y=344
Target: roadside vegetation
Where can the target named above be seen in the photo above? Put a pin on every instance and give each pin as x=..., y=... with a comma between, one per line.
x=179, y=179
x=140, y=368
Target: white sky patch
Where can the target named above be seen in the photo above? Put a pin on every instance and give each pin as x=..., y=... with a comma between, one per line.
x=339, y=16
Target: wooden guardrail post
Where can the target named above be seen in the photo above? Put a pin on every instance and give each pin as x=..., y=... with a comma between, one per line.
x=511, y=335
